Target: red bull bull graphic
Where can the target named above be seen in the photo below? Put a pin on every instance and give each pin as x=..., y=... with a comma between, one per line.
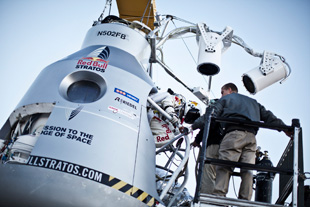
x=94, y=59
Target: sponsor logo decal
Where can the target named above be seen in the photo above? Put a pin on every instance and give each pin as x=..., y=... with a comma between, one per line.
x=128, y=95
x=91, y=174
x=96, y=60
x=115, y=110
x=164, y=138
x=66, y=167
x=122, y=101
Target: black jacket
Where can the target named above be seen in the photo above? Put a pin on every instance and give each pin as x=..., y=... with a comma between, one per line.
x=241, y=107
x=215, y=134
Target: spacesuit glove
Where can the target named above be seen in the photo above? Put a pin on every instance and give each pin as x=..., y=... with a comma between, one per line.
x=174, y=119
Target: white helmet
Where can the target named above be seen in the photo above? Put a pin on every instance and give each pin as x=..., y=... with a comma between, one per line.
x=179, y=104
x=192, y=111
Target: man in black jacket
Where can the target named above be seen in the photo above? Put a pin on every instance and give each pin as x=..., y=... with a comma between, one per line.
x=239, y=142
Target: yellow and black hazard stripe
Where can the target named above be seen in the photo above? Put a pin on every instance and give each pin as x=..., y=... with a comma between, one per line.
x=91, y=174
x=130, y=190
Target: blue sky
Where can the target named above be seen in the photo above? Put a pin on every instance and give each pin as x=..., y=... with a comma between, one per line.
x=37, y=33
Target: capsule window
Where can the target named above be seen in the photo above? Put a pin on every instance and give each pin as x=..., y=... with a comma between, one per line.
x=83, y=91
x=82, y=87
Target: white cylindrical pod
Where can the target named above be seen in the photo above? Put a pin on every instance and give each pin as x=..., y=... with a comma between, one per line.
x=210, y=54
x=255, y=81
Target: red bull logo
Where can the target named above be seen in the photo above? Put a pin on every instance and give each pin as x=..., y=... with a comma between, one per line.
x=92, y=63
x=96, y=60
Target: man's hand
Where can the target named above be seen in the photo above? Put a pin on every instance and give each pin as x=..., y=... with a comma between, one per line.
x=185, y=130
x=290, y=134
x=195, y=144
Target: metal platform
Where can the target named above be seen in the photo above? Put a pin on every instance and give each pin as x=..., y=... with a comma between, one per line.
x=290, y=168
x=207, y=200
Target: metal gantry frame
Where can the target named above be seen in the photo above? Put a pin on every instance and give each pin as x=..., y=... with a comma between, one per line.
x=296, y=184
x=296, y=169
x=157, y=39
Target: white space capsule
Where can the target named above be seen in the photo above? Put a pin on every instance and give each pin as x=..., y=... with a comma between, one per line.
x=80, y=135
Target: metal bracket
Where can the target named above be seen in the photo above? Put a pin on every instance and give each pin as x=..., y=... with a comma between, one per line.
x=211, y=39
x=227, y=35
x=268, y=63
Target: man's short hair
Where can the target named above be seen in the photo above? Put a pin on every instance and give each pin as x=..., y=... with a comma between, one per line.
x=232, y=86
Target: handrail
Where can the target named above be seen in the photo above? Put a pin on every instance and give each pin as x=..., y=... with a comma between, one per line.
x=202, y=153
x=181, y=188
x=295, y=167
x=162, y=111
x=249, y=166
x=254, y=124
x=178, y=170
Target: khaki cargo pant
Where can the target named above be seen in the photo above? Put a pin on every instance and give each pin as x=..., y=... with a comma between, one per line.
x=237, y=146
x=209, y=171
